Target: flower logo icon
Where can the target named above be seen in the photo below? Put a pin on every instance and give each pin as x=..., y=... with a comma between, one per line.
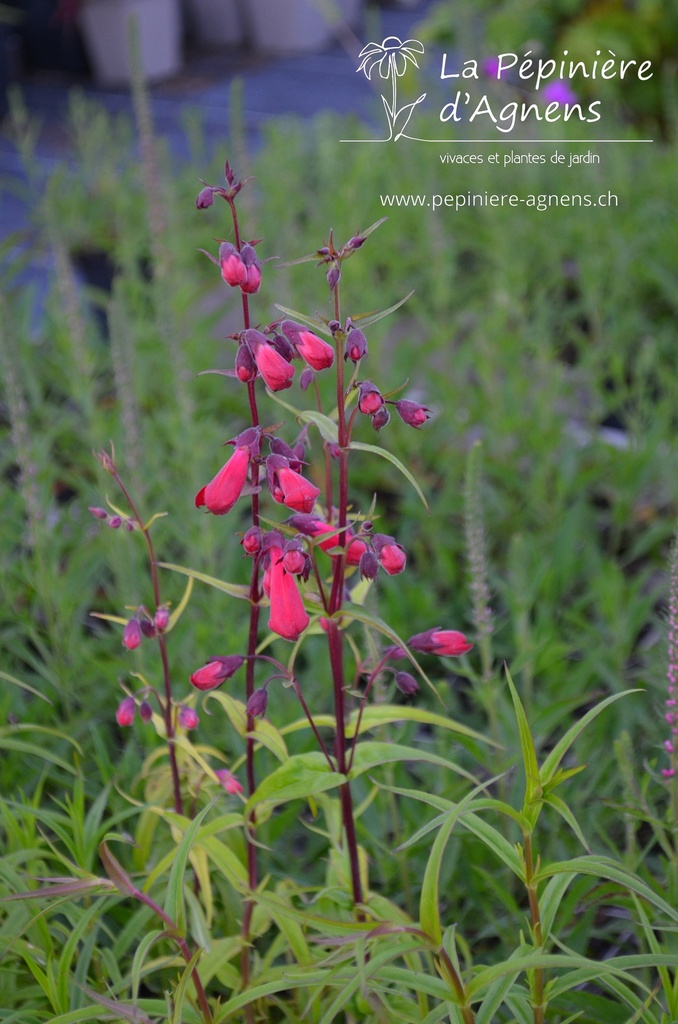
x=390, y=58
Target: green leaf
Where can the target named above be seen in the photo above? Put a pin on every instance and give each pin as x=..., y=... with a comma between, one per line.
x=372, y=754
x=375, y=715
x=239, y=590
x=551, y=763
x=533, y=791
x=179, y=994
x=603, y=867
x=315, y=322
x=24, y=686
x=384, y=454
x=301, y=776
x=179, y=610
x=566, y=814
x=371, y=318
x=174, y=898
x=429, y=904
x=327, y=427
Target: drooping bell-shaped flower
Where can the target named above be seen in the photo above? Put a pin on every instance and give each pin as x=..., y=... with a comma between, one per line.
x=288, y=617
x=444, y=642
x=220, y=494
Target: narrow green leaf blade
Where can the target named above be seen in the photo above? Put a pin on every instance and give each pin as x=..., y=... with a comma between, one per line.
x=238, y=590
x=384, y=454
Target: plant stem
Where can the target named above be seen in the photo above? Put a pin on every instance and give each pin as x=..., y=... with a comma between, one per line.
x=162, y=646
x=255, y=596
x=335, y=639
x=537, y=938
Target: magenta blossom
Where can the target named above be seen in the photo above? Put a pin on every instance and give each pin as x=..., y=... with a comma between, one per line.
x=447, y=643
x=216, y=671
x=221, y=493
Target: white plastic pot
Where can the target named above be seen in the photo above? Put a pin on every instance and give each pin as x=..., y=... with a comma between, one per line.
x=296, y=26
x=106, y=30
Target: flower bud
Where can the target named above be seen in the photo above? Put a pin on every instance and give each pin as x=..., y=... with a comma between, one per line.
x=216, y=671
x=368, y=565
x=333, y=277
x=228, y=781
x=252, y=281
x=355, y=242
x=406, y=683
x=251, y=542
x=188, y=717
x=205, y=198
x=381, y=418
x=115, y=522
x=356, y=345
x=369, y=398
x=233, y=269
x=306, y=379
x=412, y=413
x=129, y=525
x=145, y=711
x=395, y=653
x=162, y=617
x=126, y=711
x=147, y=628
x=444, y=642
x=392, y=556
x=294, y=561
x=98, y=513
x=245, y=367
x=131, y=636
x=256, y=705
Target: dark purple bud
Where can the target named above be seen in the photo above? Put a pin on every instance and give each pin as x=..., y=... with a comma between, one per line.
x=395, y=653
x=145, y=711
x=369, y=398
x=356, y=345
x=147, y=628
x=188, y=717
x=333, y=277
x=256, y=705
x=129, y=525
x=205, y=198
x=306, y=379
x=368, y=565
x=406, y=683
x=333, y=449
x=115, y=522
x=355, y=242
x=283, y=345
x=381, y=418
x=251, y=542
x=245, y=367
x=131, y=637
x=229, y=175
x=412, y=413
x=99, y=513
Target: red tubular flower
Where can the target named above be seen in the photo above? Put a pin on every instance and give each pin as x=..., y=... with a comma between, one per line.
x=233, y=269
x=288, y=617
x=273, y=367
x=316, y=352
x=126, y=711
x=297, y=492
x=312, y=527
x=216, y=671
x=221, y=493
x=447, y=643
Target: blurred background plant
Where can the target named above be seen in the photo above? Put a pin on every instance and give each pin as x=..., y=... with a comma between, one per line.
x=644, y=30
